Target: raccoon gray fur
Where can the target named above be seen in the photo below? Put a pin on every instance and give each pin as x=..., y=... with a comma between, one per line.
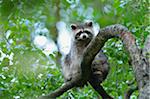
x=82, y=34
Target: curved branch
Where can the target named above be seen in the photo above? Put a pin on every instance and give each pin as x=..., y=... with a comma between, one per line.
x=103, y=35
x=93, y=48
x=68, y=85
x=138, y=63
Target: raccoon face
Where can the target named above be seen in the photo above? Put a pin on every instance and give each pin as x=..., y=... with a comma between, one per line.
x=83, y=32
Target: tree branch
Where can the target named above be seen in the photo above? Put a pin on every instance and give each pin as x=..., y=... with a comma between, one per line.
x=68, y=85
x=138, y=63
x=140, y=66
x=103, y=35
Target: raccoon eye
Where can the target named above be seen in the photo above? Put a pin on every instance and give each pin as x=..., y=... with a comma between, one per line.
x=90, y=24
x=73, y=27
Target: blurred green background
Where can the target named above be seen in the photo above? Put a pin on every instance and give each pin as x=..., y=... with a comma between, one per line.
x=26, y=72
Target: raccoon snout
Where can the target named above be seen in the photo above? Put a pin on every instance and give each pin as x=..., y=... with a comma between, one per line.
x=84, y=36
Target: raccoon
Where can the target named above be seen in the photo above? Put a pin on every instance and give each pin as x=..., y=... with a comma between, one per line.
x=82, y=34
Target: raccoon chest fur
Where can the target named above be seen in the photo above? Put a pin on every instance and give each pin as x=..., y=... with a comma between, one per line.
x=71, y=66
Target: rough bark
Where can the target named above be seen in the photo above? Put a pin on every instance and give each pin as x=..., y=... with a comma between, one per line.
x=139, y=61
x=146, y=49
x=145, y=91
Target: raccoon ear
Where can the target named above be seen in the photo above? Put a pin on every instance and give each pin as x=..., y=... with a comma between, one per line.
x=73, y=26
x=90, y=24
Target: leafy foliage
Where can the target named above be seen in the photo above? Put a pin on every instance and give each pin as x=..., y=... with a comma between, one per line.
x=25, y=72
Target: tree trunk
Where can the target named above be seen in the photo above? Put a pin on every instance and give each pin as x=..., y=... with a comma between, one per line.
x=145, y=91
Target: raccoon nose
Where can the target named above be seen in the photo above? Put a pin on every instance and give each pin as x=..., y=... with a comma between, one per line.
x=84, y=36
